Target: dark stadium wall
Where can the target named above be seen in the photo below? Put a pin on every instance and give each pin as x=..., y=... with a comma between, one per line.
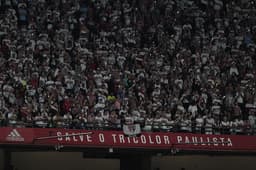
x=1, y=159
x=203, y=162
x=75, y=161
x=60, y=160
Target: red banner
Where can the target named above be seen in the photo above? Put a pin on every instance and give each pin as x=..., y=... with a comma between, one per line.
x=117, y=139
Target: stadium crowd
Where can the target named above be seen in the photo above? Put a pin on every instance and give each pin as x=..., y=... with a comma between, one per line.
x=168, y=65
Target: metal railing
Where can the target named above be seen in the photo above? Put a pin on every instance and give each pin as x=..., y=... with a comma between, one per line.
x=240, y=130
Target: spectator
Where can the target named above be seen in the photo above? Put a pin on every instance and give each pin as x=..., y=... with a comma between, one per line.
x=199, y=124
x=225, y=125
x=209, y=124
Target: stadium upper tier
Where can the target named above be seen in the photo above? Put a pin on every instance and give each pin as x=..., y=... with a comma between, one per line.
x=167, y=65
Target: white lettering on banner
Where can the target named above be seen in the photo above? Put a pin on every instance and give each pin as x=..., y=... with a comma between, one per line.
x=215, y=141
x=81, y=137
x=229, y=142
x=67, y=137
x=60, y=136
x=222, y=141
x=179, y=139
x=202, y=141
x=121, y=138
x=117, y=138
x=114, y=137
x=166, y=140
x=74, y=137
x=71, y=137
x=150, y=140
x=194, y=140
x=101, y=138
x=89, y=138
x=135, y=140
x=210, y=141
x=187, y=139
x=158, y=139
x=143, y=139
x=147, y=139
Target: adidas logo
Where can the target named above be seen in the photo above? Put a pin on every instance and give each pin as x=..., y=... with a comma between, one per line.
x=14, y=135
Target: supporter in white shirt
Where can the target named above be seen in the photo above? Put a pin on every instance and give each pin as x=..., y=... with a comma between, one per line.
x=101, y=102
x=67, y=118
x=99, y=120
x=185, y=123
x=199, y=124
x=225, y=125
x=237, y=126
x=164, y=123
x=156, y=122
x=252, y=120
x=8, y=92
x=58, y=121
x=181, y=108
x=148, y=123
x=41, y=120
x=69, y=83
x=136, y=114
x=98, y=79
x=128, y=119
x=121, y=60
x=12, y=117
x=209, y=124
x=233, y=70
x=105, y=116
x=80, y=120
x=193, y=109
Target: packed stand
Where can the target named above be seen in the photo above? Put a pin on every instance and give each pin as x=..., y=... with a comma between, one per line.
x=169, y=65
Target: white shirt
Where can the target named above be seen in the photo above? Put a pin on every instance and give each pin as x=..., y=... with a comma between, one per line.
x=199, y=122
x=193, y=109
x=233, y=70
x=225, y=124
x=67, y=117
x=209, y=122
x=129, y=119
x=70, y=83
x=252, y=120
x=98, y=79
